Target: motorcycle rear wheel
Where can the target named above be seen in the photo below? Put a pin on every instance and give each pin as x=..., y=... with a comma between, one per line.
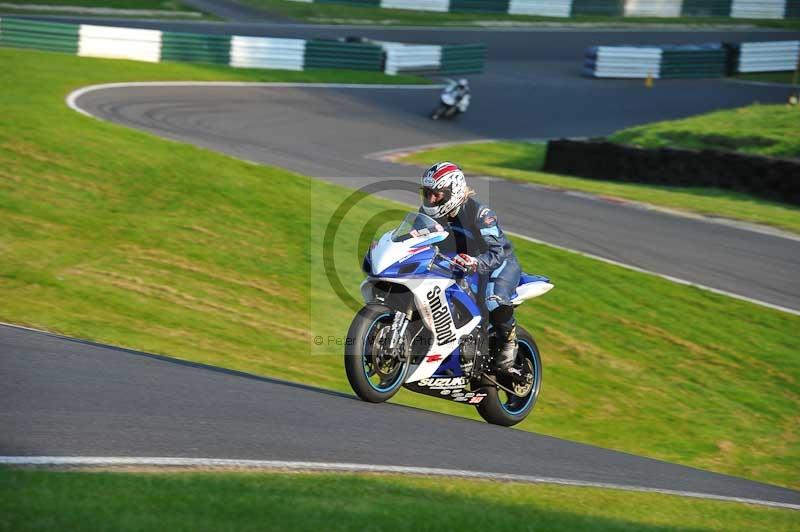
x=374, y=377
x=502, y=408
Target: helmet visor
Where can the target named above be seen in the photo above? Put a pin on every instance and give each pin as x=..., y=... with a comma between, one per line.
x=432, y=197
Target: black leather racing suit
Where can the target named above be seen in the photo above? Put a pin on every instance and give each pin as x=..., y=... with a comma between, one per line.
x=476, y=231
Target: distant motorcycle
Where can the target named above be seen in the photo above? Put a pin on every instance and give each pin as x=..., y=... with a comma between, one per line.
x=454, y=100
x=422, y=329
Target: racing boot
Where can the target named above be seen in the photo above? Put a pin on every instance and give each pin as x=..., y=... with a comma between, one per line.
x=505, y=362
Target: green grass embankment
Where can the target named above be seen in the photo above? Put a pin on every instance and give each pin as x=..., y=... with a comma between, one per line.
x=350, y=14
x=760, y=129
x=772, y=130
x=788, y=78
x=114, y=235
x=79, y=501
x=167, y=5
x=163, y=8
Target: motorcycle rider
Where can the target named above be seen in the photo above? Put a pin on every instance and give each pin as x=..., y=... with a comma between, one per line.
x=459, y=90
x=462, y=89
x=480, y=246
x=461, y=93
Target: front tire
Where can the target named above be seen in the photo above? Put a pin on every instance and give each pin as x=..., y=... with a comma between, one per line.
x=502, y=408
x=373, y=377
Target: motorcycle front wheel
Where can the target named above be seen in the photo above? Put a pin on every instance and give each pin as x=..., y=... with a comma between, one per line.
x=502, y=408
x=374, y=373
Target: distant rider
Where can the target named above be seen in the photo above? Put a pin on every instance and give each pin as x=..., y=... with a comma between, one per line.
x=462, y=95
x=479, y=245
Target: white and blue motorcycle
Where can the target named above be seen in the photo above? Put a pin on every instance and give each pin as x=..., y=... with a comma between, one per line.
x=422, y=328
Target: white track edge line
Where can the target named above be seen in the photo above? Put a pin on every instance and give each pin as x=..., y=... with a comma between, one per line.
x=72, y=97
x=114, y=461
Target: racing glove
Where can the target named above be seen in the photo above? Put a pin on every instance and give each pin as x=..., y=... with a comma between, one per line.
x=469, y=263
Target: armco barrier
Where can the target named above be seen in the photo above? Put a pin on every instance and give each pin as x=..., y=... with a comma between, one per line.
x=610, y=8
x=768, y=56
x=479, y=6
x=750, y=9
x=51, y=37
x=119, y=43
x=260, y=52
x=241, y=51
x=653, y=8
x=349, y=55
x=411, y=57
x=623, y=61
x=541, y=8
x=195, y=48
x=462, y=58
x=706, y=8
x=771, y=178
x=694, y=61
x=758, y=9
x=690, y=61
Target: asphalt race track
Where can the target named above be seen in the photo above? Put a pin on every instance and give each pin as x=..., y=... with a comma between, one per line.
x=96, y=400
x=66, y=397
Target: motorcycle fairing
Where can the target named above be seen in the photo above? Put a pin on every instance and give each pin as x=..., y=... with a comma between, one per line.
x=530, y=286
x=435, y=309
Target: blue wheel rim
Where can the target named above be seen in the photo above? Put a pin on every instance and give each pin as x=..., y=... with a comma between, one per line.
x=537, y=371
x=398, y=379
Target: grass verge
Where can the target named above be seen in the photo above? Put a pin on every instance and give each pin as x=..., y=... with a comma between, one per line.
x=163, y=8
x=37, y=500
x=167, y=5
x=788, y=78
x=349, y=14
x=115, y=235
x=762, y=129
x=772, y=130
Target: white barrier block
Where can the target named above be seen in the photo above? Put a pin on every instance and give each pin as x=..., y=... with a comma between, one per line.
x=421, y=5
x=653, y=8
x=411, y=56
x=628, y=62
x=266, y=52
x=543, y=8
x=773, y=56
x=119, y=43
x=758, y=8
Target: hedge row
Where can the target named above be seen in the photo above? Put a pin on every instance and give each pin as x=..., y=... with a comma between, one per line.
x=767, y=177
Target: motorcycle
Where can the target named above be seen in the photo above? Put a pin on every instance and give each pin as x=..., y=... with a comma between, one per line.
x=421, y=328
x=450, y=105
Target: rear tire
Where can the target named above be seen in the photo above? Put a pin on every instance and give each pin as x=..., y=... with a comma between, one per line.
x=501, y=408
x=360, y=362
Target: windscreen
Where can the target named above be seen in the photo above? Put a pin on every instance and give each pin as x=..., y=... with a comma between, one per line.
x=415, y=225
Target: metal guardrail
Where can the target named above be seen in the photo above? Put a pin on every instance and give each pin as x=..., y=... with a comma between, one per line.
x=241, y=51
x=750, y=9
x=768, y=56
x=690, y=61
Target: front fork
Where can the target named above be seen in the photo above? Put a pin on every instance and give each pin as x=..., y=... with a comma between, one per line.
x=398, y=330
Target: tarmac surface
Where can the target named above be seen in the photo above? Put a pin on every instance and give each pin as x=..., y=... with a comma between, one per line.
x=68, y=398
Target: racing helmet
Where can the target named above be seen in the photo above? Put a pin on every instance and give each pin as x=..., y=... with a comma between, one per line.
x=443, y=189
x=463, y=82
